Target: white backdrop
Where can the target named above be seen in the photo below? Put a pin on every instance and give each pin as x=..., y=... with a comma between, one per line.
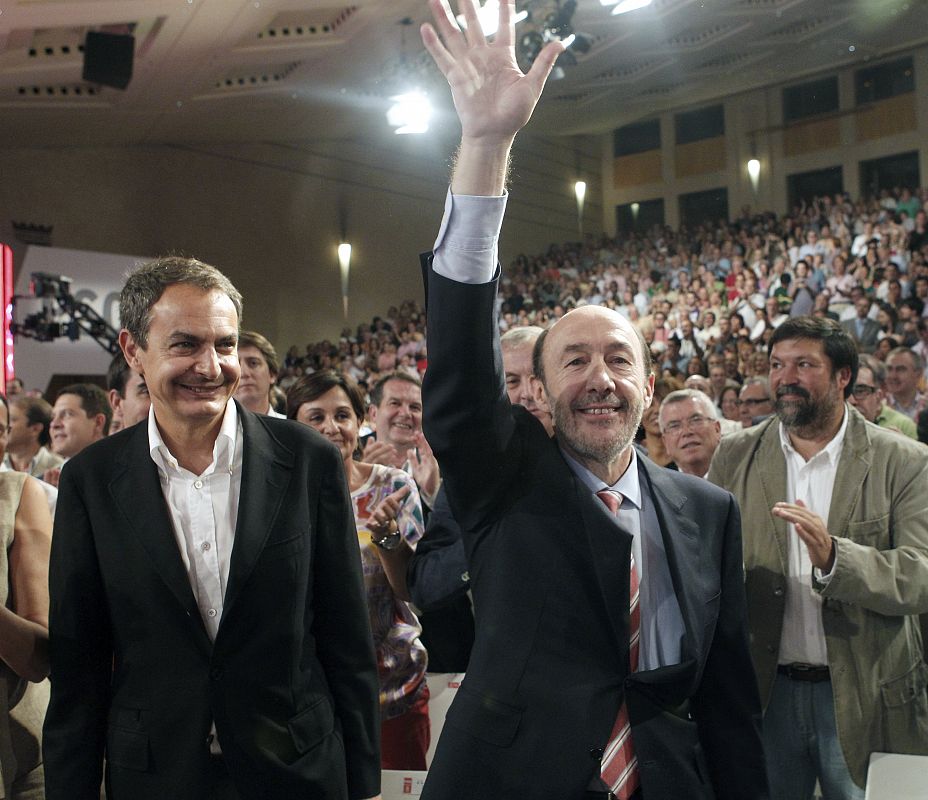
x=96, y=280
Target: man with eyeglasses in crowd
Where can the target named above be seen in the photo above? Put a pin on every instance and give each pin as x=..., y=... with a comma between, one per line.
x=754, y=403
x=869, y=398
x=690, y=429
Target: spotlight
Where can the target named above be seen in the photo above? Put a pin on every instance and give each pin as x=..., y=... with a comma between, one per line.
x=410, y=112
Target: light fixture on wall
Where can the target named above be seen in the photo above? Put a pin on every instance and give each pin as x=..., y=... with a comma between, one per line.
x=344, y=267
x=411, y=109
x=580, y=192
x=635, y=207
x=754, y=172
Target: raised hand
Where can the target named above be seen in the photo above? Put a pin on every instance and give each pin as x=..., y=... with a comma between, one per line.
x=375, y=452
x=493, y=98
x=810, y=527
x=384, y=515
x=424, y=468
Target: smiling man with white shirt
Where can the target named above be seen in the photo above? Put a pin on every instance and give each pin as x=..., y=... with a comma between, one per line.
x=208, y=628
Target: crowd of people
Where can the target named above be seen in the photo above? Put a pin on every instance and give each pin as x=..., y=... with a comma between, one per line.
x=659, y=496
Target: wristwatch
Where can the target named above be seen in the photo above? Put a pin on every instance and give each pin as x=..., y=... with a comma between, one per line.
x=390, y=540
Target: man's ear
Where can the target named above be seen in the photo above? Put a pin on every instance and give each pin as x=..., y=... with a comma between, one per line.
x=130, y=349
x=115, y=400
x=99, y=423
x=539, y=394
x=372, y=416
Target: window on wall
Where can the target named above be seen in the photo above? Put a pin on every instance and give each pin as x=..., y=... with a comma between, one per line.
x=637, y=138
x=810, y=99
x=890, y=172
x=710, y=206
x=803, y=186
x=642, y=216
x=704, y=123
x=884, y=81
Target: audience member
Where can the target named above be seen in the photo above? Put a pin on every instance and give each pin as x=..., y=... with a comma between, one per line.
x=389, y=521
x=514, y=489
x=869, y=397
x=25, y=531
x=836, y=569
x=81, y=416
x=27, y=443
x=259, y=364
x=754, y=401
x=208, y=631
x=127, y=394
x=690, y=430
x=903, y=374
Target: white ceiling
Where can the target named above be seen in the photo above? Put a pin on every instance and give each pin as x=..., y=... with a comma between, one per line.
x=283, y=70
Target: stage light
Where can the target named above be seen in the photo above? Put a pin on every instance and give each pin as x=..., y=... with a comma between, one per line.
x=628, y=5
x=488, y=15
x=410, y=112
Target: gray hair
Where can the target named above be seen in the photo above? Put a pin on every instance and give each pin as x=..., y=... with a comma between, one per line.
x=681, y=395
x=516, y=337
x=877, y=369
x=757, y=380
x=145, y=285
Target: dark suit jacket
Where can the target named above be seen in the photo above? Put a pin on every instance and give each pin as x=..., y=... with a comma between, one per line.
x=290, y=680
x=438, y=581
x=868, y=341
x=549, y=574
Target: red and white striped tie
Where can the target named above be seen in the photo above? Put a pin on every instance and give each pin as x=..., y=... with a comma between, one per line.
x=619, y=766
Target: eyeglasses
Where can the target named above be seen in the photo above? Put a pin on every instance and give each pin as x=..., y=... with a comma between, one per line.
x=752, y=401
x=694, y=422
x=862, y=390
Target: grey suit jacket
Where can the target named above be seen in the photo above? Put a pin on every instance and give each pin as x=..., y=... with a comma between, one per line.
x=879, y=519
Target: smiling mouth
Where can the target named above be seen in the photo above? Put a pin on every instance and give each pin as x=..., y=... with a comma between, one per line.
x=201, y=389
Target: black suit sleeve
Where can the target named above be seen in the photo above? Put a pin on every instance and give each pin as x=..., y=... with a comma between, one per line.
x=727, y=704
x=437, y=571
x=81, y=654
x=342, y=631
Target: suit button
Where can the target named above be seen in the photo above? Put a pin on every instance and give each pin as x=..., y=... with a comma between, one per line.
x=778, y=592
x=465, y=577
x=215, y=673
x=597, y=753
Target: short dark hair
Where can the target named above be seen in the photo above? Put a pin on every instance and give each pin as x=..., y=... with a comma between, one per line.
x=377, y=391
x=538, y=367
x=117, y=376
x=37, y=411
x=93, y=400
x=839, y=346
x=145, y=285
x=310, y=387
x=260, y=343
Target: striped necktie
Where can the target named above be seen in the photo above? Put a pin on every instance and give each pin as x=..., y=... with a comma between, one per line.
x=619, y=766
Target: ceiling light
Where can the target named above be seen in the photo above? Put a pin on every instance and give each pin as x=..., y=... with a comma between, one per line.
x=410, y=112
x=488, y=16
x=628, y=5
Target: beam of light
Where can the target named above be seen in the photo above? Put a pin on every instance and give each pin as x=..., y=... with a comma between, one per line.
x=628, y=5
x=410, y=112
x=488, y=15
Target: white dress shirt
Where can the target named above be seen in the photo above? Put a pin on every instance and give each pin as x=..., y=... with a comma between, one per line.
x=203, y=511
x=812, y=481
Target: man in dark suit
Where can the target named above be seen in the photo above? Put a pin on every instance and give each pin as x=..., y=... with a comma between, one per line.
x=551, y=675
x=863, y=330
x=208, y=628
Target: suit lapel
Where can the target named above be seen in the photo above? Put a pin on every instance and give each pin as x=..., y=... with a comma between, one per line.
x=680, y=534
x=266, y=471
x=771, y=467
x=137, y=492
x=853, y=467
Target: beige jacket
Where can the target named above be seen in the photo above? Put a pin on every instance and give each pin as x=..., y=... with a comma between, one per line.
x=879, y=519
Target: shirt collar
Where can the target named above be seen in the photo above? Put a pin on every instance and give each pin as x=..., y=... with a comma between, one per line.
x=223, y=448
x=831, y=451
x=628, y=485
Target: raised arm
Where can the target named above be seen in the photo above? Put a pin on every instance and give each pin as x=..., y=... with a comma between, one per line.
x=493, y=98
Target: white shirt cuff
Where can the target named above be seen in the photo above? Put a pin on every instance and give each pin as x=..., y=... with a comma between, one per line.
x=466, y=247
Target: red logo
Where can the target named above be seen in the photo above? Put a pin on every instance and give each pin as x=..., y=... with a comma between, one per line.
x=407, y=785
